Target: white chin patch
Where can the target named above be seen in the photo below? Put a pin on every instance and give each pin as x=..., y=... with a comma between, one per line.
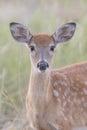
x=37, y=70
x=42, y=71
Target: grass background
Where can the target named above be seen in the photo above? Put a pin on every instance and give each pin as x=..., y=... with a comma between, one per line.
x=38, y=16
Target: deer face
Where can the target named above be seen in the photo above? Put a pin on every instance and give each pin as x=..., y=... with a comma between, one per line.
x=41, y=51
x=42, y=46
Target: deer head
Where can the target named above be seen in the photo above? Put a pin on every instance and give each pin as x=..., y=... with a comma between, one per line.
x=42, y=46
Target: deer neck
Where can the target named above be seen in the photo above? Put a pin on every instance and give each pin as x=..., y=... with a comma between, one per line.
x=38, y=87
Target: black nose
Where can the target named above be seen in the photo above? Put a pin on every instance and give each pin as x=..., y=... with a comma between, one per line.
x=42, y=65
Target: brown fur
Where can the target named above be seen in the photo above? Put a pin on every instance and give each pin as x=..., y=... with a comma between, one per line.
x=65, y=110
x=42, y=39
x=56, y=99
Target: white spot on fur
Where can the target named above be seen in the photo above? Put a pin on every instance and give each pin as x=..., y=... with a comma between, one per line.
x=63, y=83
x=67, y=92
x=82, y=99
x=85, y=91
x=55, y=92
x=55, y=83
x=85, y=82
x=79, y=101
x=64, y=97
x=69, y=101
x=32, y=126
x=63, y=115
x=64, y=103
x=60, y=89
x=55, y=126
x=85, y=104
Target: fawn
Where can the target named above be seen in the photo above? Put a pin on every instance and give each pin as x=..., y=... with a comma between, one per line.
x=56, y=99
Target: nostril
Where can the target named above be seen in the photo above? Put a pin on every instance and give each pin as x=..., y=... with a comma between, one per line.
x=47, y=65
x=38, y=65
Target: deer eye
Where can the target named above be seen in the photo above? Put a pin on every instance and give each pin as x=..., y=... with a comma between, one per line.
x=52, y=48
x=32, y=48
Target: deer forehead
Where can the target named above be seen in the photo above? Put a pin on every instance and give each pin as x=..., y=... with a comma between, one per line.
x=42, y=40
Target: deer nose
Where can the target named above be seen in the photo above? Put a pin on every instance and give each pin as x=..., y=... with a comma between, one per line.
x=42, y=65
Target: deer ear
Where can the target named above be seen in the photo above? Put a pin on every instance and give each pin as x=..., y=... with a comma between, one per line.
x=20, y=32
x=64, y=33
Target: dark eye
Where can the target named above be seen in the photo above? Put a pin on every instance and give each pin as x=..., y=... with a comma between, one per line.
x=52, y=48
x=32, y=48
